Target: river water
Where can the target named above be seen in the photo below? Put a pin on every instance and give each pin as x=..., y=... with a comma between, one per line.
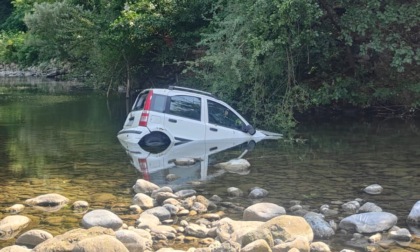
x=57, y=139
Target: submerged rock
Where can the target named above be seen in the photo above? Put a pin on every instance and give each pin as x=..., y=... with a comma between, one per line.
x=373, y=189
x=238, y=166
x=48, y=200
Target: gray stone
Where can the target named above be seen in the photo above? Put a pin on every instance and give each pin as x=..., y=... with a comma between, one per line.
x=196, y=230
x=369, y=207
x=102, y=218
x=369, y=222
x=320, y=227
x=373, y=189
x=161, y=212
x=33, y=237
x=400, y=234
x=257, y=193
x=186, y=193
x=414, y=215
x=263, y=211
x=238, y=166
x=51, y=199
x=351, y=206
x=235, y=192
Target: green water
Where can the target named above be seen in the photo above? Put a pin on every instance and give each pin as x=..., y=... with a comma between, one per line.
x=56, y=139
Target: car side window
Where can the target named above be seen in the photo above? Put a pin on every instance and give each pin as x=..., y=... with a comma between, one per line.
x=185, y=106
x=223, y=116
x=140, y=101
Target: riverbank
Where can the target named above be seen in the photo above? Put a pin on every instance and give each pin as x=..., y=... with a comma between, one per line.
x=165, y=220
x=50, y=70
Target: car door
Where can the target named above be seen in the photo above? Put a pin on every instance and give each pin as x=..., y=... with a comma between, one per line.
x=183, y=118
x=223, y=122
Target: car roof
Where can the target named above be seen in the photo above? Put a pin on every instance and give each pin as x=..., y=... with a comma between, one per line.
x=181, y=89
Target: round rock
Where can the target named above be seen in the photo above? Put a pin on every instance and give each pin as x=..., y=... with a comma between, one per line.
x=33, y=237
x=263, y=212
x=373, y=189
x=102, y=218
x=369, y=222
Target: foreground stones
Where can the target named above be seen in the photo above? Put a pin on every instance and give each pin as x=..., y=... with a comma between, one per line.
x=185, y=219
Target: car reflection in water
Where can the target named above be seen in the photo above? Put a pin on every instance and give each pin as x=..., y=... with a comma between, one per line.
x=187, y=162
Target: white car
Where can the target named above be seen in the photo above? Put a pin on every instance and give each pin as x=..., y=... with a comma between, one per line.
x=177, y=115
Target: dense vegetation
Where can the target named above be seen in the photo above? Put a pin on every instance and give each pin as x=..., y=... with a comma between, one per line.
x=270, y=58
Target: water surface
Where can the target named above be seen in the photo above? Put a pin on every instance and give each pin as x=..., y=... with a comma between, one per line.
x=57, y=139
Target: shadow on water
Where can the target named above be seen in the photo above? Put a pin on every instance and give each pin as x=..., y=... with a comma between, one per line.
x=65, y=142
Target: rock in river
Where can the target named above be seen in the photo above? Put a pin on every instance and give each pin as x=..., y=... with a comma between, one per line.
x=414, y=215
x=102, y=218
x=263, y=211
x=10, y=226
x=369, y=222
x=51, y=199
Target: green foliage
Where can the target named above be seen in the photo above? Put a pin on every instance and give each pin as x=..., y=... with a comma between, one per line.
x=254, y=51
x=13, y=48
x=61, y=30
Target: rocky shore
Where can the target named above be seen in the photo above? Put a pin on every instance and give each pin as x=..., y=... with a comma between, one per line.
x=186, y=221
x=48, y=70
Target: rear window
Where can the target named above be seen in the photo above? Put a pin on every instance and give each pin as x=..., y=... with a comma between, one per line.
x=140, y=101
x=158, y=102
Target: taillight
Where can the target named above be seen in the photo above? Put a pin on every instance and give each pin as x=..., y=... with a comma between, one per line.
x=144, y=118
x=145, y=114
x=144, y=169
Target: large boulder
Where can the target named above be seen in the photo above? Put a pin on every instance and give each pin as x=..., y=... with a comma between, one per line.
x=102, y=218
x=288, y=227
x=262, y=212
x=371, y=222
x=230, y=230
x=414, y=215
x=100, y=243
x=68, y=240
x=10, y=226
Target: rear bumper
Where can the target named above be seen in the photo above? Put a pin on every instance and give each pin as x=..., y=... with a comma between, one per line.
x=130, y=138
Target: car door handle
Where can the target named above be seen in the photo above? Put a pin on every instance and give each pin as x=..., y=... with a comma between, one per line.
x=172, y=120
x=131, y=118
x=213, y=129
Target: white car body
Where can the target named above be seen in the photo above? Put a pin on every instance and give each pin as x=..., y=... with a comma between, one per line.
x=160, y=117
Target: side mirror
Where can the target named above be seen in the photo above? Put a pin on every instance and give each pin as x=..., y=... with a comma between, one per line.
x=249, y=129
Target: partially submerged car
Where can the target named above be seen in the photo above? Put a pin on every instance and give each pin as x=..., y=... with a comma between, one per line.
x=177, y=115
